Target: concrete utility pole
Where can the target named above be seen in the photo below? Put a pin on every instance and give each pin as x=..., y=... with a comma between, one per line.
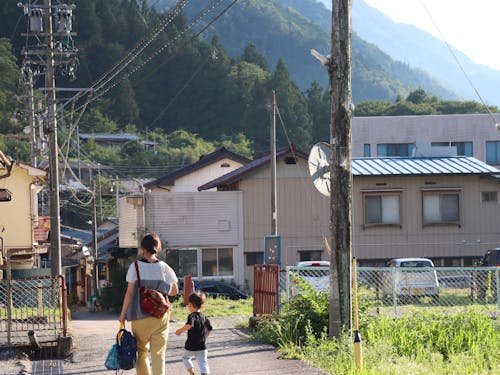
x=94, y=240
x=42, y=55
x=272, y=156
x=55, y=218
x=339, y=71
x=31, y=117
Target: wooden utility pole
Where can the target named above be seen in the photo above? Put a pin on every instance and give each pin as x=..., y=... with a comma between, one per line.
x=339, y=71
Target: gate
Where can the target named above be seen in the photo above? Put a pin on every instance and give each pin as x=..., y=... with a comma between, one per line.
x=265, y=289
x=32, y=309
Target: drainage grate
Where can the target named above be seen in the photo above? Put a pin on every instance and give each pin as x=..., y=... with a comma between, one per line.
x=47, y=367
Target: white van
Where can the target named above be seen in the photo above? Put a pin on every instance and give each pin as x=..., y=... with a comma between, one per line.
x=316, y=273
x=413, y=278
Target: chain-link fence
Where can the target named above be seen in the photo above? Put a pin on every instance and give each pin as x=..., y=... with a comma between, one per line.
x=32, y=311
x=396, y=289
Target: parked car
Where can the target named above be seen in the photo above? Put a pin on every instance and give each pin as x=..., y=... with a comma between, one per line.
x=491, y=258
x=318, y=278
x=216, y=289
x=456, y=281
x=487, y=280
x=414, y=278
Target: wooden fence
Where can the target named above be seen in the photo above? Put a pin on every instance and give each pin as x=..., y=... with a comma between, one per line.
x=266, y=289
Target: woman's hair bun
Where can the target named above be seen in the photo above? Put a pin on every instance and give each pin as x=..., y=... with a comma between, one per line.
x=151, y=242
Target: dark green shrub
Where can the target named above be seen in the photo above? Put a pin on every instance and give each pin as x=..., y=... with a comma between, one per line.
x=111, y=297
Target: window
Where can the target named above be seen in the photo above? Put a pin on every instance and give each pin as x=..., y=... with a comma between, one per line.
x=183, y=261
x=382, y=209
x=201, y=262
x=254, y=258
x=217, y=262
x=489, y=196
x=463, y=148
x=493, y=152
x=395, y=149
x=441, y=208
x=367, y=150
x=305, y=255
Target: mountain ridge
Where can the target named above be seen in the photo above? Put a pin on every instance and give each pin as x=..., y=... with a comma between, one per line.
x=279, y=29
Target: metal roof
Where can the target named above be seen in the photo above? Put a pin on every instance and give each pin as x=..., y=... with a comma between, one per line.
x=399, y=166
x=110, y=137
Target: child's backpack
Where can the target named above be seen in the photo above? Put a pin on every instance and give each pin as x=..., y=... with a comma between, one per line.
x=127, y=349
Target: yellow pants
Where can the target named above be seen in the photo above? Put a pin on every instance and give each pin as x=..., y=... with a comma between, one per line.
x=151, y=334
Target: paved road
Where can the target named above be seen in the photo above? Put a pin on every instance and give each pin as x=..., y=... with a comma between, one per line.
x=230, y=350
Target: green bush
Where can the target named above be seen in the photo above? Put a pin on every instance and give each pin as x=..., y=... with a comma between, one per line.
x=417, y=343
x=111, y=297
x=304, y=316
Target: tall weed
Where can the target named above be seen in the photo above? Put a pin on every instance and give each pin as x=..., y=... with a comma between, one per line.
x=418, y=343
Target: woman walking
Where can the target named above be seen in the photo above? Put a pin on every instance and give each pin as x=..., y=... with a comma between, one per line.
x=150, y=332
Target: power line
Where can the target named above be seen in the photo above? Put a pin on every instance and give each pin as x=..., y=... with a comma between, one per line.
x=139, y=47
x=457, y=60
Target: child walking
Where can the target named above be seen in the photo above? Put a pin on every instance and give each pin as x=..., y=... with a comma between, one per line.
x=199, y=328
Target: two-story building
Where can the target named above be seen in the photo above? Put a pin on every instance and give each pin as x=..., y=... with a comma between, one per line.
x=470, y=134
x=202, y=231
x=444, y=208
x=19, y=213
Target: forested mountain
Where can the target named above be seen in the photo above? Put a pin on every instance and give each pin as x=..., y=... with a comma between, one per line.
x=184, y=90
x=406, y=43
x=289, y=29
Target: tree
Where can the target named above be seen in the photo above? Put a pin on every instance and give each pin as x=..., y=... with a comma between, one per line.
x=293, y=109
x=9, y=88
x=251, y=55
x=418, y=96
x=94, y=121
x=318, y=104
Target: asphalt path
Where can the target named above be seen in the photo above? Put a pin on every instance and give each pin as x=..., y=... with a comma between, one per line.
x=231, y=350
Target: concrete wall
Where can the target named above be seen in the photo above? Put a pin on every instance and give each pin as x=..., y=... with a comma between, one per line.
x=476, y=128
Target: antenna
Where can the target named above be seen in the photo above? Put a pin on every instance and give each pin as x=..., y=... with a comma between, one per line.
x=319, y=167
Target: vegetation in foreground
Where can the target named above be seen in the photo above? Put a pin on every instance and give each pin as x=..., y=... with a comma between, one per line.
x=419, y=343
x=216, y=307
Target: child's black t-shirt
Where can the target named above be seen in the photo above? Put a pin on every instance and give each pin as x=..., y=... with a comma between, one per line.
x=200, y=325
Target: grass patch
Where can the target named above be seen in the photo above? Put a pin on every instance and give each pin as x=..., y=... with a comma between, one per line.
x=216, y=307
x=422, y=341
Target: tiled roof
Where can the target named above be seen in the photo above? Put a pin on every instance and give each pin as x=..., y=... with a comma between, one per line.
x=238, y=174
x=205, y=160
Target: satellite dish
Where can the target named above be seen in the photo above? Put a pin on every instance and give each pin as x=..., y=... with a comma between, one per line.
x=319, y=167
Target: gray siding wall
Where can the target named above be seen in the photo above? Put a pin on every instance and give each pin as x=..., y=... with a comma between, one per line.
x=195, y=219
x=128, y=222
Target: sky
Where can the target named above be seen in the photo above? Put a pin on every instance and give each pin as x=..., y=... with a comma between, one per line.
x=468, y=25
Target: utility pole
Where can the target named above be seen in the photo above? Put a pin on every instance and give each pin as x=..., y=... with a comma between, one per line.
x=42, y=54
x=31, y=116
x=339, y=72
x=94, y=240
x=55, y=218
x=272, y=156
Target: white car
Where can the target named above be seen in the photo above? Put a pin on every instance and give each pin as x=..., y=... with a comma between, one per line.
x=316, y=273
x=413, y=278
